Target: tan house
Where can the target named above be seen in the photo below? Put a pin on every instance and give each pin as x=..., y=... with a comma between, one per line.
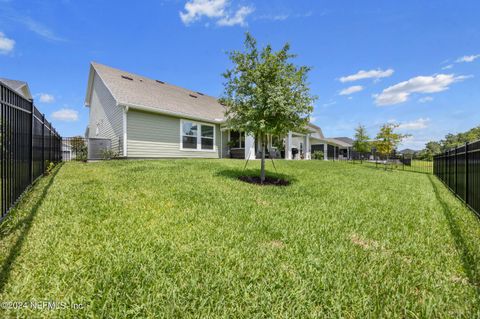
x=149, y=118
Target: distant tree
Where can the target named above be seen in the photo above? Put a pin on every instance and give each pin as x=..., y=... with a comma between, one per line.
x=456, y=140
x=387, y=140
x=265, y=93
x=431, y=148
x=361, y=143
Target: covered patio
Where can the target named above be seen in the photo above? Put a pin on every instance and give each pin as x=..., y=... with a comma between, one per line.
x=293, y=146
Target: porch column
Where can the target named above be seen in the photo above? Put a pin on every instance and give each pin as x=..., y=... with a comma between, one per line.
x=249, y=146
x=288, y=147
x=308, y=154
x=325, y=151
x=334, y=152
x=348, y=152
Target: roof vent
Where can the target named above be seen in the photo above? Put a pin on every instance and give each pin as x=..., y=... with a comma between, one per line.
x=194, y=96
x=161, y=82
x=200, y=93
x=127, y=77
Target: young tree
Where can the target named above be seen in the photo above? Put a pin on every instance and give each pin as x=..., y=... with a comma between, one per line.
x=387, y=140
x=431, y=149
x=361, y=143
x=265, y=93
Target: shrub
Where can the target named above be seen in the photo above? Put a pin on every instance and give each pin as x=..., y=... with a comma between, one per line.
x=50, y=166
x=318, y=155
x=108, y=154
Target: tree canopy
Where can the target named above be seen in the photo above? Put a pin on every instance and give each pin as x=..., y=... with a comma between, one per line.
x=387, y=139
x=450, y=141
x=265, y=93
x=361, y=143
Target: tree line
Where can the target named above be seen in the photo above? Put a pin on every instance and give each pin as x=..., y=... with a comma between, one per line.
x=450, y=141
x=387, y=140
x=384, y=143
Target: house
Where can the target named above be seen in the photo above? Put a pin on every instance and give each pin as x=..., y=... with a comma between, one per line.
x=18, y=86
x=149, y=118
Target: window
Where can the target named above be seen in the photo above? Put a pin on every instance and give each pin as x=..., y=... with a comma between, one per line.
x=207, y=137
x=196, y=136
x=237, y=139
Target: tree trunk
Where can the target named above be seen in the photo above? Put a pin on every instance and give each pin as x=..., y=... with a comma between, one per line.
x=262, y=165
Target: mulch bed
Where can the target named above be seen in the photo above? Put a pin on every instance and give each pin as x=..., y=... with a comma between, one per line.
x=268, y=181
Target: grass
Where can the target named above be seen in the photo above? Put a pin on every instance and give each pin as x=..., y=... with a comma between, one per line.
x=418, y=166
x=185, y=238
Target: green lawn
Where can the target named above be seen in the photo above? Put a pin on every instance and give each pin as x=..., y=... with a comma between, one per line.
x=418, y=166
x=185, y=238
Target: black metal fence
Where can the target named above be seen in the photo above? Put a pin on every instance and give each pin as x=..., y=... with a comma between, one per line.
x=401, y=162
x=459, y=169
x=28, y=144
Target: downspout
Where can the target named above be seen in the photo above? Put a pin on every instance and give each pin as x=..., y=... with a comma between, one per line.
x=125, y=110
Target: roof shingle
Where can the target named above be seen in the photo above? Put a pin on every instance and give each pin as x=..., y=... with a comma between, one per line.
x=135, y=90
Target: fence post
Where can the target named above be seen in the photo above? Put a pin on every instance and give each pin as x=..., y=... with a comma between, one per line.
x=43, y=143
x=32, y=125
x=456, y=169
x=466, y=172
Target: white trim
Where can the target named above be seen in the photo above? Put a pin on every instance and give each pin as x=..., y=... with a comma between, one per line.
x=199, y=137
x=125, y=150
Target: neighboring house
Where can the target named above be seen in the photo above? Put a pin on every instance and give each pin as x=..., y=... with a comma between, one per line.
x=147, y=118
x=19, y=86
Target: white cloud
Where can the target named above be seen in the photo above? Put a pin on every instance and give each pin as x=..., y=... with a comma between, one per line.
x=214, y=9
x=67, y=115
x=6, y=44
x=425, y=99
x=413, y=142
x=400, y=92
x=447, y=67
x=46, y=98
x=237, y=19
x=351, y=90
x=372, y=74
x=468, y=58
x=330, y=103
x=312, y=119
x=418, y=124
x=37, y=28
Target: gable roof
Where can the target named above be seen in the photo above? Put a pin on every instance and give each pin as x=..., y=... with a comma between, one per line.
x=20, y=87
x=139, y=92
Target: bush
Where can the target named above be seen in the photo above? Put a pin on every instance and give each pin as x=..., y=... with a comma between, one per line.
x=50, y=166
x=108, y=154
x=318, y=155
x=81, y=156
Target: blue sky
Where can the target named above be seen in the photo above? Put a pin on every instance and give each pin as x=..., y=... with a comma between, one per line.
x=412, y=62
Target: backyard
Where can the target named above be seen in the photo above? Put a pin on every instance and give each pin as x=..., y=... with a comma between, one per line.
x=186, y=238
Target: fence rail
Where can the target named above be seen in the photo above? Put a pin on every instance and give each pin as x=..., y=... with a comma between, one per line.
x=28, y=143
x=459, y=169
x=397, y=162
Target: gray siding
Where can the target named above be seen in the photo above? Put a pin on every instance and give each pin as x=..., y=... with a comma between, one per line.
x=151, y=135
x=105, y=113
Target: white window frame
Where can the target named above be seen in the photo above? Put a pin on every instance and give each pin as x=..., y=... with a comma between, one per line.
x=199, y=136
